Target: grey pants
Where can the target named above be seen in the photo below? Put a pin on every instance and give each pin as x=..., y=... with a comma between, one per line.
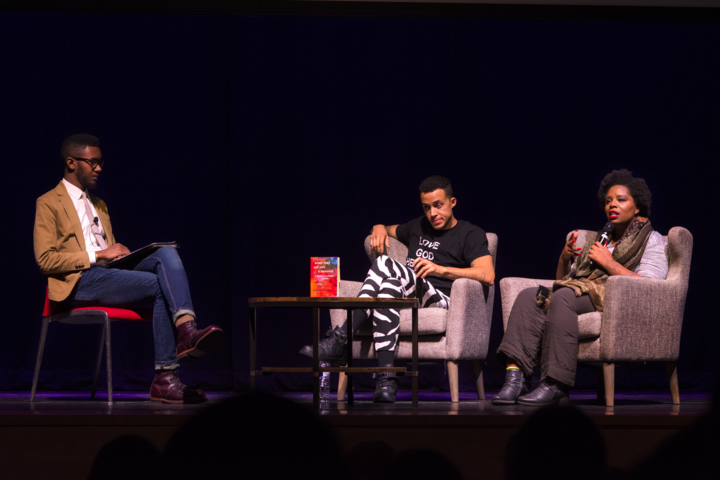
x=552, y=336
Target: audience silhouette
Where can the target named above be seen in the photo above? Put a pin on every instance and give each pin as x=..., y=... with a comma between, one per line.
x=420, y=464
x=691, y=453
x=254, y=436
x=558, y=443
x=126, y=457
x=261, y=436
x=357, y=457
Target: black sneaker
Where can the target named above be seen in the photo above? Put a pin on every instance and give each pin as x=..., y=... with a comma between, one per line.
x=332, y=350
x=386, y=388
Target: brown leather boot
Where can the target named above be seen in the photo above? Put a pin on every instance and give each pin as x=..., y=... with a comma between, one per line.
x=167, y=388
x=193, y=343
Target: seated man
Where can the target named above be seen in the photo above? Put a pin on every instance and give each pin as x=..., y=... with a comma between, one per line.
x=74, y=239
x=440, y=249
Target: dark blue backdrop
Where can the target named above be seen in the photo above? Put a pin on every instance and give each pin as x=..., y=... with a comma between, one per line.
x=258, y=142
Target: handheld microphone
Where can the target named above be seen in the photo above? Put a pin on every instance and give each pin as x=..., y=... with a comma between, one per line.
x=606, y=232
x=605, y=235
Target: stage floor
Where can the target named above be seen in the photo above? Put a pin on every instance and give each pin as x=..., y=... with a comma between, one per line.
x=69, y=428
x=431, y=403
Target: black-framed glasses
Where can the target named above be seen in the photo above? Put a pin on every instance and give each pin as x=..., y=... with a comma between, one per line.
x=93, y=162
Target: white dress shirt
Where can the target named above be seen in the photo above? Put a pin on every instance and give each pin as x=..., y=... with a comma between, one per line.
x=91, y=243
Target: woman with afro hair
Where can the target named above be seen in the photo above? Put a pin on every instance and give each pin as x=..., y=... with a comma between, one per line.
x=543, y=323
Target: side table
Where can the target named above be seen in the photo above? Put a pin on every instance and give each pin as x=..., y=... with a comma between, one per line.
x=349, y=304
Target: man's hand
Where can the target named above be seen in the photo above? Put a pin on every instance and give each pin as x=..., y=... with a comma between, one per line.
x=424, y=267
x=570, y=250
x=111, y=253
x=379, y=239
x=601, y=255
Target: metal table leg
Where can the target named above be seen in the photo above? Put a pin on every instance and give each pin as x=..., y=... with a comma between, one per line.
x=316, y=358
x=350, y=391
x=415, y=356
x=253, y=347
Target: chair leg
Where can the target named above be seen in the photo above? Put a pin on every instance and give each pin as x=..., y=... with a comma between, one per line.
x=452, y=368
x=600, y=386
x=342, y=386
x=609, y=380
x=97, y=364
x=108, y=359
x=38, y=361
x=671, y=369
x=477, y=368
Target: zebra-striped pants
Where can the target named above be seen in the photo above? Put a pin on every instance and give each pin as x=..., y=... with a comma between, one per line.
x=390, y=279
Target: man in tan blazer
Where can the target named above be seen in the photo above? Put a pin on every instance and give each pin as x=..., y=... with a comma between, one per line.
x=74, y=241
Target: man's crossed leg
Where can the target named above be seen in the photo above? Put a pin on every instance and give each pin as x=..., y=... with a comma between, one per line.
x=386, y=278
x=158, y=282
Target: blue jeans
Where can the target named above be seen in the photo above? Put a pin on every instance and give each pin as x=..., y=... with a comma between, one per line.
x=158, y=282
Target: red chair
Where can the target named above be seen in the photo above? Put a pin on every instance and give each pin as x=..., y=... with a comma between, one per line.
x=86, y=316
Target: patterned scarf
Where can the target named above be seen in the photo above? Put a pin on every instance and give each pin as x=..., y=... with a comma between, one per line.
x=588, y=278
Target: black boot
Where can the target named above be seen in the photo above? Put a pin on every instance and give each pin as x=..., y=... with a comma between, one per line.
x=386, y=388
x=513, y=387
x=548, y=392
x=332, y=350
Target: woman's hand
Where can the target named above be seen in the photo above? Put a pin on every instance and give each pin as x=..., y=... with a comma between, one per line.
x=601, y=255
x=570, y=250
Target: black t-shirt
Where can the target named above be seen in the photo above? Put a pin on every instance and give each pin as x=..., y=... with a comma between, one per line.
x=457, y=247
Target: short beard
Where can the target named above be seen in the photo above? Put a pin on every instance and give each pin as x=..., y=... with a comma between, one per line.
x=89, y=186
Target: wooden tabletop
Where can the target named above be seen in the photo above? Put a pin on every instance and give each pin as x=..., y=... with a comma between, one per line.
x=331, y=302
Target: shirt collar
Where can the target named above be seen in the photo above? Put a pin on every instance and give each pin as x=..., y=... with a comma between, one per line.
x=73, y=191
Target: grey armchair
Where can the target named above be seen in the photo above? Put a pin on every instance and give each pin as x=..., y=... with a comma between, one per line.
x=460, y=333
x=642, y=317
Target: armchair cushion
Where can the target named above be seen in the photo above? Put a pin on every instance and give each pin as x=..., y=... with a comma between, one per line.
x=429, y=347
x=589, y=325
x=431, y=321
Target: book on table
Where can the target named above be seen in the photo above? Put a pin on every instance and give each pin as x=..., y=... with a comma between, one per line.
x=324, y=276
x=134, y=257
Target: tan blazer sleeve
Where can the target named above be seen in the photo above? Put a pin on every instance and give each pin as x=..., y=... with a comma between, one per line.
x=55, y=250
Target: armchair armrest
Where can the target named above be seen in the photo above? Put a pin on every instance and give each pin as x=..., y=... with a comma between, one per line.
x=469, y=319
x=397, y=251
x=642, y=319
x=345, y=289
x=510, y=287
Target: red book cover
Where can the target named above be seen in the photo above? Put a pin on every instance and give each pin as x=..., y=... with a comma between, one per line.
x=324, y=276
